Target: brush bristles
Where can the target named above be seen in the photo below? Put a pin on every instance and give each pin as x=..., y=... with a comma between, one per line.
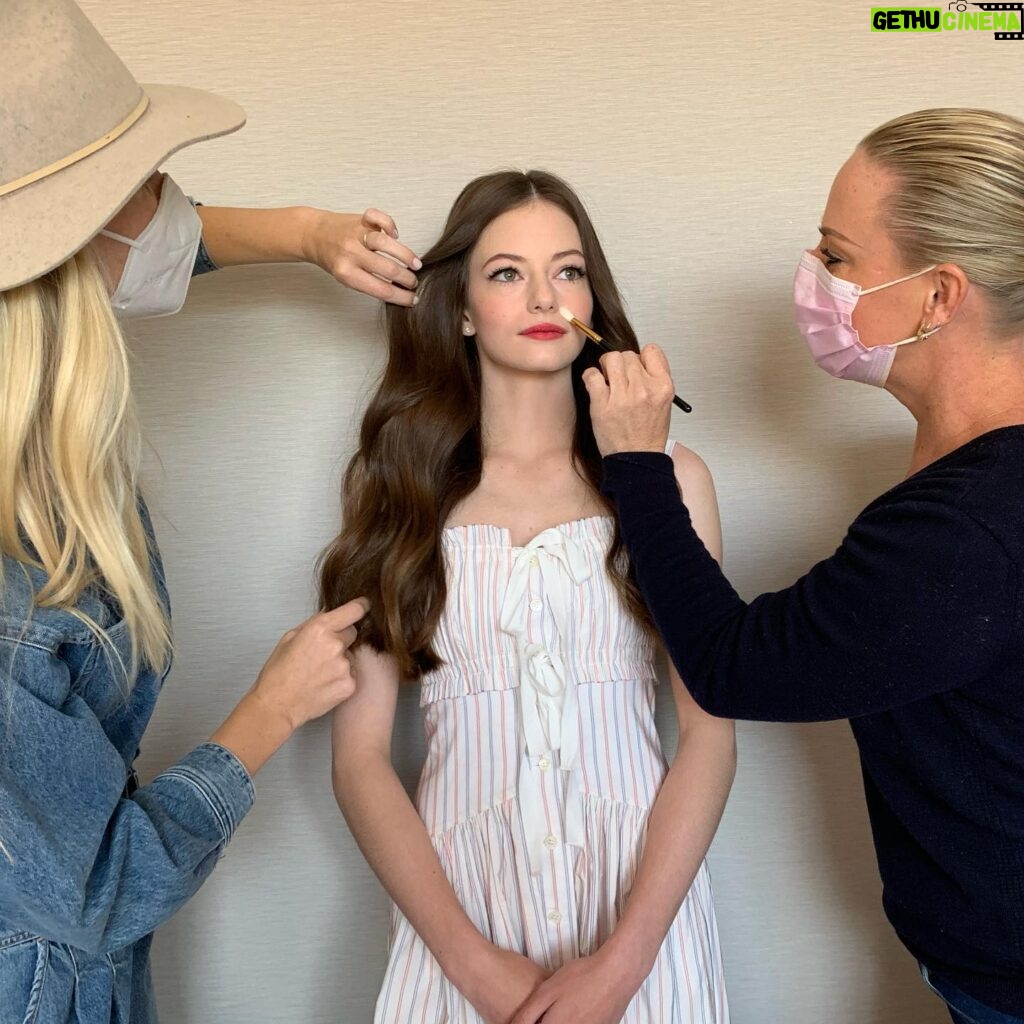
x=583, y=328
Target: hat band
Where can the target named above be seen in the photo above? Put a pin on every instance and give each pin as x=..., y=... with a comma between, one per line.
x=81, y=154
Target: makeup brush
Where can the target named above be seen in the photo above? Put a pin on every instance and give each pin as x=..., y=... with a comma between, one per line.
x=603, y=345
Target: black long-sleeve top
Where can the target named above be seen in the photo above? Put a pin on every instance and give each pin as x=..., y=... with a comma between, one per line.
x=912, y=630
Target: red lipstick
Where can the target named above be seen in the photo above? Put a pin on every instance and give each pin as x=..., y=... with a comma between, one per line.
x=544, y=332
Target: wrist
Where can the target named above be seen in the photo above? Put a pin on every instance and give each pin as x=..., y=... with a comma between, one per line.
x=628, y=446
x=466, y=962
x=306, y=219
x=275, y=714
x=254, y=731
x=628, y=957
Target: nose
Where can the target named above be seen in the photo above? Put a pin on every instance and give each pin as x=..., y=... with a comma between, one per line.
x=543, y=297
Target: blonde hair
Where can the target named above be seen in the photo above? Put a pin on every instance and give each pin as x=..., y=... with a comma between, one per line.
x=69, y=453
x=959, y=198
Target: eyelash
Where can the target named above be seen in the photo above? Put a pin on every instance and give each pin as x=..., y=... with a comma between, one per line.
x=830, y=257
x=579, y=272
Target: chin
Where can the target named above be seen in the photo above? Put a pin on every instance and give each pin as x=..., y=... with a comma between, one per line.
x=552, y=363
x=556, y=359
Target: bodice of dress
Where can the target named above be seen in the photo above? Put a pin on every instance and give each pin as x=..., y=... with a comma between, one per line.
x=543, y=620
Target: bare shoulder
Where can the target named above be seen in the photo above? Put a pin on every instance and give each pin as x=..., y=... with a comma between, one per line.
x=690, y=468
x=698, y=493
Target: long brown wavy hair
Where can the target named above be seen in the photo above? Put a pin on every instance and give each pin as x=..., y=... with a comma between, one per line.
x=419, y=446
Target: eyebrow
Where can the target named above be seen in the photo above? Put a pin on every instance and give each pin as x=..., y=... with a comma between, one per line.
x=835, y=234
x=519, y=259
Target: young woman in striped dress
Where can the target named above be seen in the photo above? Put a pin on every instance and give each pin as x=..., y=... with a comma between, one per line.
x=551, y=847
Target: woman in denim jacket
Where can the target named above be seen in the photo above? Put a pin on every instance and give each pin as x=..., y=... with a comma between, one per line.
x=91, y=862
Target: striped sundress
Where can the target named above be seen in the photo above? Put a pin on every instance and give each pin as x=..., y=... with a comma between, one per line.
x=542, y=766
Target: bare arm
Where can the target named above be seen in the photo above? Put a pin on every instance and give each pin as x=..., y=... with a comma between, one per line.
x=682, y=824
x=361, y=251
x=396, y=845
x=689, y=806
x=100, y=870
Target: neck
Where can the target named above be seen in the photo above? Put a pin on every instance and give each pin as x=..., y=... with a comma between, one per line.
x=964, y=398
x=526, y=414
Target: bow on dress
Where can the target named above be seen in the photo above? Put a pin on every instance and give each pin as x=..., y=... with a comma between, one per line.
x=547, y=694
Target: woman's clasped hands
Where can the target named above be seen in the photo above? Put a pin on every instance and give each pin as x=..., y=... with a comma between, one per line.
x=595, y=989
x=513, y=989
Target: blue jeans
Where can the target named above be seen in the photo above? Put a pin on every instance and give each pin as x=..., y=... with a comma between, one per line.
x=963, y=1008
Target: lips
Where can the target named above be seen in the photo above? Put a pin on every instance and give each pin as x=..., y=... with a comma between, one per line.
x=544, y=332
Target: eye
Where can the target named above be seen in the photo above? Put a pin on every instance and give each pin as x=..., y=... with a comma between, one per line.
x=506, y=275
x=831, y=259
x=572, y=273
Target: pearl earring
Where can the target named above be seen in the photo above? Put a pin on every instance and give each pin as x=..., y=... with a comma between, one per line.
x=467, y=330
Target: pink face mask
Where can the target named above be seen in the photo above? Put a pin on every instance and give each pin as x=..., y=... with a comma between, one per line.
x=824, y=314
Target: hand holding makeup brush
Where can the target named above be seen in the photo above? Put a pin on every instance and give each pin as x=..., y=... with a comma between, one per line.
x=631, y=405
x=589, y=332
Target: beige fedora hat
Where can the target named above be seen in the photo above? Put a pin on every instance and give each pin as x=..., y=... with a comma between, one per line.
x=78, y=133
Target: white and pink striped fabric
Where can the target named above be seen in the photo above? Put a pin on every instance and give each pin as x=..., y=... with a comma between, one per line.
x=542, y=765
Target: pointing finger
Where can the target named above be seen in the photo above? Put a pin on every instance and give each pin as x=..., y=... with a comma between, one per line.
x=346, y=615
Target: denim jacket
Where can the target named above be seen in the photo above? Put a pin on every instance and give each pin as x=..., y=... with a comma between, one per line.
x=90, y=864
x=203, y=264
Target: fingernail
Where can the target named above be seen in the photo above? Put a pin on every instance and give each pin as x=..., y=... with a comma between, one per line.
x=417, y=264
x=415, y=299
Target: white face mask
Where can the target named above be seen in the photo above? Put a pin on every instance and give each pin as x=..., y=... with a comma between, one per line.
x=156, y=274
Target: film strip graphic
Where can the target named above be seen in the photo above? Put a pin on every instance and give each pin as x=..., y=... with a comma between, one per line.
x=1018, y=7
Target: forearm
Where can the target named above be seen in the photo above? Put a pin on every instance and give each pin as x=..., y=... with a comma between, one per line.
x=397, y=847
x=85, y=864
x=844, y=640
x=236, y=236
x=691, y=601
x=787, y=656
x=682, y=824
x=253, y=732
x=98, y=871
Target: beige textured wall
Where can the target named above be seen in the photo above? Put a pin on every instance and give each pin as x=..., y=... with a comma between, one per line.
x=704, y=137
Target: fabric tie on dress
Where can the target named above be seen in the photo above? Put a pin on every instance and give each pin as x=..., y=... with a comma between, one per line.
x=547, y=695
